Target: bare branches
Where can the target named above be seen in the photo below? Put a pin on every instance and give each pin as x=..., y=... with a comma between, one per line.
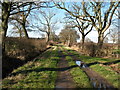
x=88, y=15
x=45, y=22
x=35, y=5
x=110, y=18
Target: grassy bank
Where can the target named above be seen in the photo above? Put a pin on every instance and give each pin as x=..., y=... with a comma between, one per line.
x=104, y=70
x=107, y=73
x=35, y=74
x=88, y=59
x=81, y=79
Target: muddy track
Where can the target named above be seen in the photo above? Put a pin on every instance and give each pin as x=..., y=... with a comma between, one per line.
x=96, y=80
x=64, y=78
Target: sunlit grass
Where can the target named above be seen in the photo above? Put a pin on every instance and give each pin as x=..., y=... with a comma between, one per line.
x=78, y=75
x=107, y=73
x=32, y=74
x=104, y=71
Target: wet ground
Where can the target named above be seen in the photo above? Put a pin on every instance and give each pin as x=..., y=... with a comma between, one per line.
x=64, y=78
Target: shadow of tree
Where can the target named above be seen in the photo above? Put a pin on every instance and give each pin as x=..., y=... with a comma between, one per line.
x=43, y=69
x=107, y=63
x=10, y=63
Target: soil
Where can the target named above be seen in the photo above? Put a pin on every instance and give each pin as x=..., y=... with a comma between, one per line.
x=64, y=78
x=96, y=80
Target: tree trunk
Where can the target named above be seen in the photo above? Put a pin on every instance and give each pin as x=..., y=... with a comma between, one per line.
x=47, y=37
x=69, y=40
x=100, y=40
x=6, y=7
x=83, y=41
x=25, y=31
x=20, y=33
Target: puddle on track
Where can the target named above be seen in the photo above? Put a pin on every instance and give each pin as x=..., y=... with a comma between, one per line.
x=96, y=80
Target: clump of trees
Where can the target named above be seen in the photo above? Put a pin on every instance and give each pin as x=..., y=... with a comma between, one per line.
x=68, y=36
x=93, y=13
x=18, y=12
x=84, y=16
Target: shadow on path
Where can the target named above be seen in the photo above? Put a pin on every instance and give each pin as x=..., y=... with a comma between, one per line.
x=10, y=63
x=44, y=69
x=107, y=63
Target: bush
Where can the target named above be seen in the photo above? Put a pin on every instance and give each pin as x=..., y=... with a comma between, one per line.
x=106, y=50
x=18, y=51
x=23, y=48
x=91, y=49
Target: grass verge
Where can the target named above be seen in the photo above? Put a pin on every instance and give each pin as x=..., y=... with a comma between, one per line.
x=34, y=73
x=78, y=75
x=107, y=73
x=88, y=59
x=104, y=70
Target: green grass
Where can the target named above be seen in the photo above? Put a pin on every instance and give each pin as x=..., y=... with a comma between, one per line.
x=116, y=51
x=32, y=74
x=104, y=71
x=78, y=75
x=88, y=59
x=107, y=73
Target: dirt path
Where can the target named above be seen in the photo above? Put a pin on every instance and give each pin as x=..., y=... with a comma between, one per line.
x=64, y=78
x=97, y=80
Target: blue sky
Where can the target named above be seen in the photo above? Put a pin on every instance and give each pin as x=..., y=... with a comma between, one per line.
x=60, y=14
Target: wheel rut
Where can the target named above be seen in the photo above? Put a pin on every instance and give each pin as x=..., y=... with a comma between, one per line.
x=96, y=80
x=64, y=78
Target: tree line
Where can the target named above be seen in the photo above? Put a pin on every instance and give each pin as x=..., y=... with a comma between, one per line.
x=85, y=16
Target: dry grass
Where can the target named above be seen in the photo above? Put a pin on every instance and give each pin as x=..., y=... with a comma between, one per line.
x=20, y=50
x=91, y=49
x=23, y=48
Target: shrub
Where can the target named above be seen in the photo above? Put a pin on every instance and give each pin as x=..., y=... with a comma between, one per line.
x=18, y=51
x=91, y=49
x=22, y=48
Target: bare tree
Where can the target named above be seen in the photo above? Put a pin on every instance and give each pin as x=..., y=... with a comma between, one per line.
x=45, y=22
x=21, y=18
x=75, y=14
x=17, y=28
x=114, y=35
x=12, y=8
x=99, y=19
x=68, y=36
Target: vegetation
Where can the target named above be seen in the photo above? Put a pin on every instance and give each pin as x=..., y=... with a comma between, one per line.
x=96, y=17
x=34, y=74
x=88, y=59
x=116, y=51
x=44, y=23
x=78, y=75
x=104, y=70
x=71, y=37
x=107, y=73
x=26, y=19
